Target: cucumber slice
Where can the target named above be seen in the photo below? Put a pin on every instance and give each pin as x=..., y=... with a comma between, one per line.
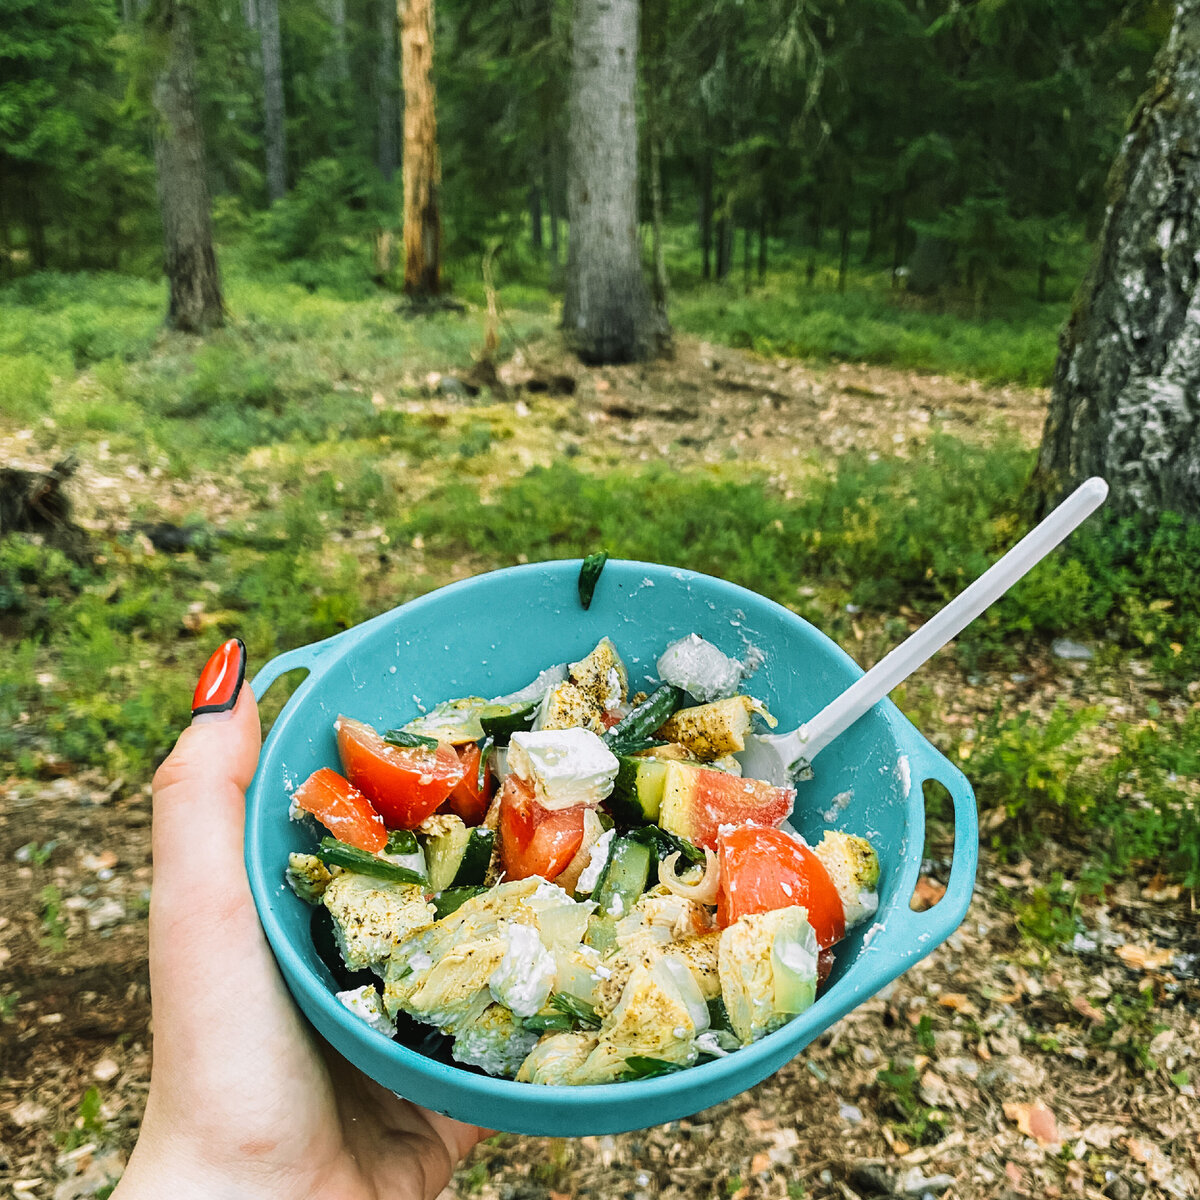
x=476, y=856
x=623, y=878
x=638, y=790
x=459, y=857
x=452, y=899
x=501, y=721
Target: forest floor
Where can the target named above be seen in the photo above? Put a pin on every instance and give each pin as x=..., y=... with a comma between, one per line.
x=1004, y=1065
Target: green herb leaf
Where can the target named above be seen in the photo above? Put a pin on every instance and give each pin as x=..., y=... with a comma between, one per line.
x=801, y=770
x=337, y=854
x=641, y=723
x=641, y=1066
x=589, y=576
x=401, y=841
x=409, y=741
x=580, y=1011
x=664, y=843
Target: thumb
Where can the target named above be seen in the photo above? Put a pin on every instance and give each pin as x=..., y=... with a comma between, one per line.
x=200, y=797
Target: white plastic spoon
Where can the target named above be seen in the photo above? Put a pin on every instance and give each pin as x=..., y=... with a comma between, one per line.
x=777, y=757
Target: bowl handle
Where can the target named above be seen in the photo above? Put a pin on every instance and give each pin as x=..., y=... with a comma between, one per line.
x=912, y=935
x=303, y=657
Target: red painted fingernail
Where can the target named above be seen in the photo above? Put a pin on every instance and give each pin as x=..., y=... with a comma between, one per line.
x=221, y=680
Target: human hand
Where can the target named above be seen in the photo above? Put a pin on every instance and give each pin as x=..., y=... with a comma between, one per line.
x=245, y=1100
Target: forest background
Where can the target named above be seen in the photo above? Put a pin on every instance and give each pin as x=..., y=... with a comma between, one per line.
x=865, y=222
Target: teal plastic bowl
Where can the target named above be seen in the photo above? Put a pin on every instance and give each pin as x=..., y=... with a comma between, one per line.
x=494, y=633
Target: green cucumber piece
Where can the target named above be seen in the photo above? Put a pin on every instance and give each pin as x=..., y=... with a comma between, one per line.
x=452, y=899
x=623, y=877
x=638, y=790
x=401, y=841
x=444, y=855
x=337, y=854
x=646, y=718
x=475, y=859
x=501, y=721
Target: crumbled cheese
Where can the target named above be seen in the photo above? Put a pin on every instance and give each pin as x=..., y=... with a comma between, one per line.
x=526, y=973
x=420, y=962
x=364, y=1002
x=590, y=875
x=567, y=767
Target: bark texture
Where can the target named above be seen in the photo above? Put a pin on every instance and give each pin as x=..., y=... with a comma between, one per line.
x=1126, y=397
x=273, y=111
x=422, y=166
x=606, y=308
x=194, y=284
x=339, y=53
x=385, y=82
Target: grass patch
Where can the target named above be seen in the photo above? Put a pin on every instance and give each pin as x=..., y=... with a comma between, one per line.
x=877, y=327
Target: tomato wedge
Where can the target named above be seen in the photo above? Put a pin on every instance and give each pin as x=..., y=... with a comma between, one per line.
x=536, y=840
x=404, y=785
x=764, y=869
x=468, y=800
x=342, y=809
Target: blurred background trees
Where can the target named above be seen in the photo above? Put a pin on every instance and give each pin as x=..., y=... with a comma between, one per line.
x=957, y=139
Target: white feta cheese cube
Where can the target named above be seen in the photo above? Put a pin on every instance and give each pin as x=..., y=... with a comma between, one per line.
x=523, y=980
x=364, y=1002
x=567, y=767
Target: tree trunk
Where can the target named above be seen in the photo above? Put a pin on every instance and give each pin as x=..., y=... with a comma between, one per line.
x=1126, y=397
x=724, y=245
x=762, y=241
x=385, y=82
x=747, y=258
x=662, y=284
x=706, y=218
x=339, y=56
x=422, y=167
x=273, y=113
x=606, y=309
x=554, y=205
x=536, y=240
x=191, y=266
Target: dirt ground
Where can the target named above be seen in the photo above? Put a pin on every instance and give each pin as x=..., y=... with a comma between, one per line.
x=996, y=1068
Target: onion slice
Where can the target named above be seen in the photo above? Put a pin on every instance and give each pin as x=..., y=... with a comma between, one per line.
x=704, y=891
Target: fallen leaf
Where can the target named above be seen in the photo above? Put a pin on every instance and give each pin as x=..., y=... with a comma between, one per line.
x=104, y=861
x=760, y=1164
x=926, y=894
x=1160, y=891
x=28, y=1112
x=1145, y=958
x=1082, y=1005
x=959, y=1002
x=1034, y=1120
x=1016, y=1177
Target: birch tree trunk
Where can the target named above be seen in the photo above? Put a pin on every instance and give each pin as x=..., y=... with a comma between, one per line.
x=385, y=81
x=422, y=167
x=273, y=112
x=194, y=284
x=606, y=308
x=1126, y=397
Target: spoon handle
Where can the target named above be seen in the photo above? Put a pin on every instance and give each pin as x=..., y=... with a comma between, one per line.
x=837, y=716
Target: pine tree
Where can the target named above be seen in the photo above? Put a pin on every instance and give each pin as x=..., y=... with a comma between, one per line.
x=194, y=284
